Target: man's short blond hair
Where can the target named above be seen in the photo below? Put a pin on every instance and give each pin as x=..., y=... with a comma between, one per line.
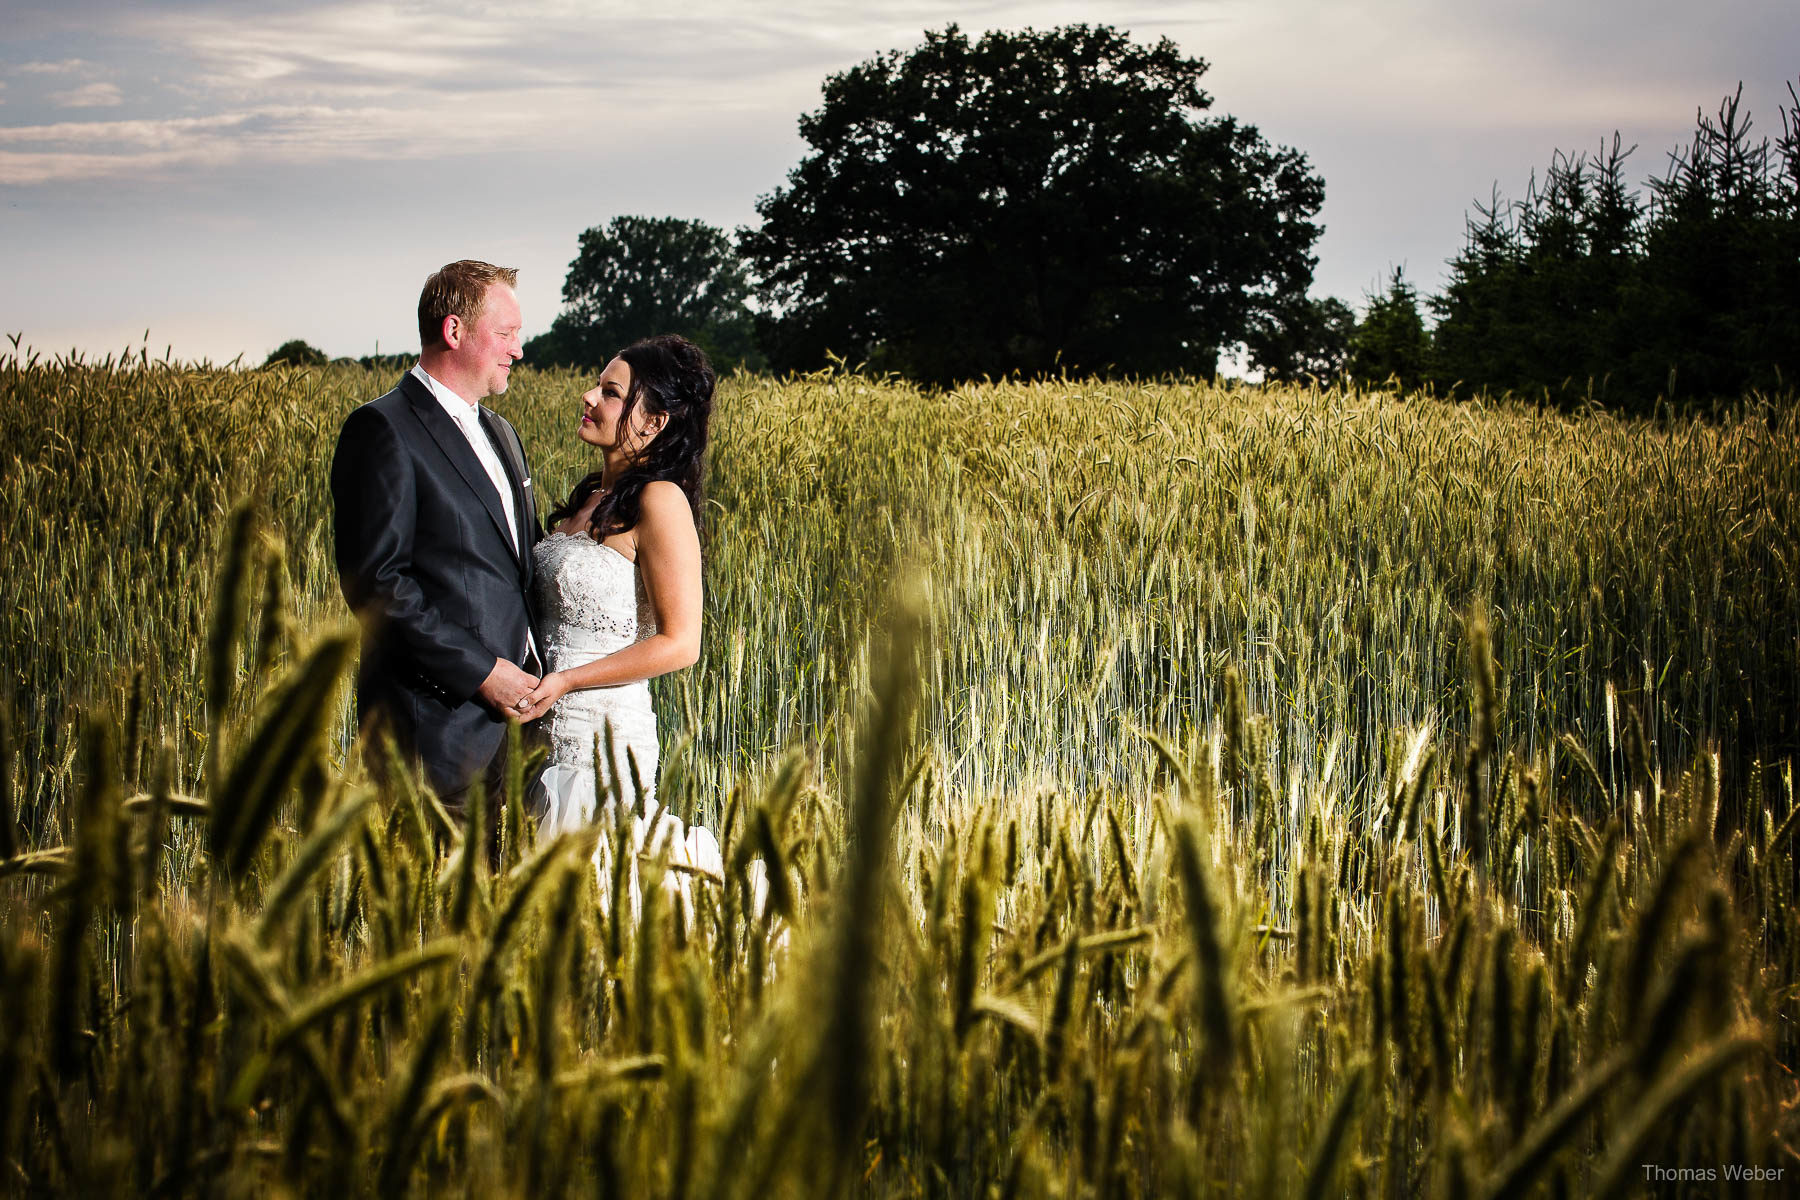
x=457, y=289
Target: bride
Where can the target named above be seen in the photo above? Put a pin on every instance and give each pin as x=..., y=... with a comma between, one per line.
x=619, y=595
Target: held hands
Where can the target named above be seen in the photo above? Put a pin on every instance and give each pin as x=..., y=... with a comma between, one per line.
x=549, y=690
x=505, y=688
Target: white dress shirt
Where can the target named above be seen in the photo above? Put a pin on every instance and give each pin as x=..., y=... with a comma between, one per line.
x=468, y=419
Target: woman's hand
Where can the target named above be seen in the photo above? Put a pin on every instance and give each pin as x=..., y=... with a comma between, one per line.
x=537, y=702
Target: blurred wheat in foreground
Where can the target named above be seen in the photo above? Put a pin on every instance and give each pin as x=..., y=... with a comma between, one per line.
x=1164, y=789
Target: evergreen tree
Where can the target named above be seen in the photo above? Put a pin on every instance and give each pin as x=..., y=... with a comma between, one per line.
x=1717, y=310
x=1583, y=290
x=1391, y=344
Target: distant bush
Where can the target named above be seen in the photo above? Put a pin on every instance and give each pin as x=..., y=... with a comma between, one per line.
x=296, y=354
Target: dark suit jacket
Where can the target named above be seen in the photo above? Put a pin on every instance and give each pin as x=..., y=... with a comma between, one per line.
x=424, y=560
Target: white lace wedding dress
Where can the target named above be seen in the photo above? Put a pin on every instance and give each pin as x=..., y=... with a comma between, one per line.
x=592, y=602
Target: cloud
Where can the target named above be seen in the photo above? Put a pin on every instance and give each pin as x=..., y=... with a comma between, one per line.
x=1527, y=65
x=67, y=151
x=88, y=95
x=364, y=81
x=67, y=66
x=364, y=78
x=139, y=133
x=375, y=49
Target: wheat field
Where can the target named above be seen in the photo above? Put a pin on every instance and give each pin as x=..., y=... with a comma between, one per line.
x=1163, y=789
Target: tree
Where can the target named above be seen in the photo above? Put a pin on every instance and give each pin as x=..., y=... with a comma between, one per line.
x=1301, y=338
x=640, y=276
x=1533, y=300
x=1031, y=202
x=1717, y=306
x=1391, y=342
x=1583, y=289
x=295, y=353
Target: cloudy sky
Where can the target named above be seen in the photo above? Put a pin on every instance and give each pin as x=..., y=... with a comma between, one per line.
x=227, y=177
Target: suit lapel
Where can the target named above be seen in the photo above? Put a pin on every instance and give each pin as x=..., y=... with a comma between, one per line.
x=514, y=462
x=449, y=438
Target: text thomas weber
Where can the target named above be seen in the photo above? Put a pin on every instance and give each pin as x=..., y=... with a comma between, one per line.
x=1737, y=1172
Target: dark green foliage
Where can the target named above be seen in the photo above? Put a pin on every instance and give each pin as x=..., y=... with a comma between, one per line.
x=1585, y=289
x=295, y=353
x=1033, y=202
x=1716, y=309
x=640, y=276
x=1390, y=345
x=1299, y=338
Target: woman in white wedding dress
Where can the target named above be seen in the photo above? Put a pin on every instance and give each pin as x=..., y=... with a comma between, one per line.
x=619, y=597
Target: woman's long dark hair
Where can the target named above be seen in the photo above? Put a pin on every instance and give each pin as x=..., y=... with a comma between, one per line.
x=669, y=375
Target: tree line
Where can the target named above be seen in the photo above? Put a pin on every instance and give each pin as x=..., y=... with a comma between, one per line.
x=1062, y=201
x=1031, y=203
x=1588, y=290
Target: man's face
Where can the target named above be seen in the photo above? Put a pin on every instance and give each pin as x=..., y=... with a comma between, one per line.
x=487, y=351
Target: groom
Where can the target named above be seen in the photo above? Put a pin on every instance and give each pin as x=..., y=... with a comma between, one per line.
x=434, y=524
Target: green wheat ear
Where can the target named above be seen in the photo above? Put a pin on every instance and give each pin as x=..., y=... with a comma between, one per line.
x=270, y=761
x=1332, y=1143
x=1212, y=986
x=404, y=1130
x=308, y=861
x=1482, y=737
x=9, y=793
x=230, y=602
x=882, y=745
x=1673, y=1091
x=470, y=863
x=90, y=870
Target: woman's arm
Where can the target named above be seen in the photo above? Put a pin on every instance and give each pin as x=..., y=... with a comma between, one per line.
x=668, y=555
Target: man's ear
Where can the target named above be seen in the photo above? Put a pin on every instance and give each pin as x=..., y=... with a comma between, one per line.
x=452, y=331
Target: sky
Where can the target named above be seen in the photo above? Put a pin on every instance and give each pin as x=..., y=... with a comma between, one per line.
x=211, y=179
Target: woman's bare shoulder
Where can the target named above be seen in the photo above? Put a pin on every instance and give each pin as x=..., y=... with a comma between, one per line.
x=663, y=511
x=664, y=498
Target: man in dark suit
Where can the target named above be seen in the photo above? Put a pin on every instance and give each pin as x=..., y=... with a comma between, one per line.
x=434, y=525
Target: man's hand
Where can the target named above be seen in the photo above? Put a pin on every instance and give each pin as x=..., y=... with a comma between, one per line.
x=549, y=690
x=504, y=687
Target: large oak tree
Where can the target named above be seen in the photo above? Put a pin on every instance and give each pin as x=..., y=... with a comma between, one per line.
x=1031, y=202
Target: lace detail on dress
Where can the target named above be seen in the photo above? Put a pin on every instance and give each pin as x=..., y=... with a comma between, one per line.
x=594, y=590
x=593, y=603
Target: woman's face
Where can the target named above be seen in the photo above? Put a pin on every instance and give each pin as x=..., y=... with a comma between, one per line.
x=600, y=409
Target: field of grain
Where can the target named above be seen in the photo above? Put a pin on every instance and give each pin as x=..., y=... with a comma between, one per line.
x=1163, y=788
